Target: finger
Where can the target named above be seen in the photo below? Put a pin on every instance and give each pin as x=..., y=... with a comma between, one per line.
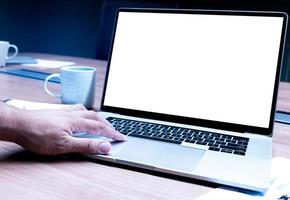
x=76, y=107
x=94, y=116
x=97, y=127
x=104, y=121
x=87, y=145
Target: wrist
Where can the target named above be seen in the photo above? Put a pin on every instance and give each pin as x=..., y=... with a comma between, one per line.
x=12, y=124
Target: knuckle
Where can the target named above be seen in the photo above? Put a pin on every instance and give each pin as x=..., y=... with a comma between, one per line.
x=90, y=147
x=61, y=146
x=77, y=125
x=98, y=117
x=92, y=114
x=100, y=125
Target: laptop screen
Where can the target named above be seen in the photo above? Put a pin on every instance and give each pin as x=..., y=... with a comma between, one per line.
x=205, y=66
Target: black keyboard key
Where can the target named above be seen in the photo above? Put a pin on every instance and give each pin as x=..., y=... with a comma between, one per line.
x=214, y=149
x=178, y=140
x=232, y=144
x=204, y=143
x=239, y=153
x=166, y=137
x=243, y=148
x=221, y=143
x=199, y=137
x=229, y=147
x=226, y=150
x=183, y=137
x=210, y=144
x=206, y=136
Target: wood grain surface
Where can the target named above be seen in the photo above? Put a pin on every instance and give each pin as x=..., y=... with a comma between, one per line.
x=27, y=176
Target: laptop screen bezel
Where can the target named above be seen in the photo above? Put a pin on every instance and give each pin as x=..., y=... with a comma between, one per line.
x=195, y=121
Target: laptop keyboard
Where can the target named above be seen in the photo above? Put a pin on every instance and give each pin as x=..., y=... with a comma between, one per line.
x=214, y=141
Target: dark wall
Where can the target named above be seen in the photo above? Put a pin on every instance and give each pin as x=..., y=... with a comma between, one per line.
x=84, y=27
x=66, y=27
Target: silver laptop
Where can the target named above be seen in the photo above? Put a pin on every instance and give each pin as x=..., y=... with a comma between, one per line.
x=195, y=91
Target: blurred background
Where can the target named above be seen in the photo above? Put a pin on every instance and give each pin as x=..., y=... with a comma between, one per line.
x=83, y=28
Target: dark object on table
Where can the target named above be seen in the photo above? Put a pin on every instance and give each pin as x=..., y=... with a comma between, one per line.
x=21, y=60
x=29, y=74
x=282, y=117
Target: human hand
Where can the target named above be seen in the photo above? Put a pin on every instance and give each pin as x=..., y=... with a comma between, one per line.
x=50, y=132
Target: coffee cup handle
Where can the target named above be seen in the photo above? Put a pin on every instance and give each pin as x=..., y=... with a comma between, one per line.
x=46, y=88
x=15, y=53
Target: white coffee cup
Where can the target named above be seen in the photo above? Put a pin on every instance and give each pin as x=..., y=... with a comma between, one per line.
x=78, y=85
x=4, y=49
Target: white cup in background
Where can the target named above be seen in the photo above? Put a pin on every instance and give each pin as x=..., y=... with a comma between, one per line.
x=4, y=49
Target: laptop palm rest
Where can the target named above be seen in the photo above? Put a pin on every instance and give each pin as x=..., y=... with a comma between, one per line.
x=157, y=154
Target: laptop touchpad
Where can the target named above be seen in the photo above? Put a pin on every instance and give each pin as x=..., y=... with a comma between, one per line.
x=157, y=154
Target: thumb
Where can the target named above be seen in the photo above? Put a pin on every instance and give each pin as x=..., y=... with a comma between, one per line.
x=87, y=145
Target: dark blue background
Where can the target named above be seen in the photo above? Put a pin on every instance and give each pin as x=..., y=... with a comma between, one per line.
x=83, y=27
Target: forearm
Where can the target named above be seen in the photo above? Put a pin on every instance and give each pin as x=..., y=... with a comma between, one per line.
x=11, y=121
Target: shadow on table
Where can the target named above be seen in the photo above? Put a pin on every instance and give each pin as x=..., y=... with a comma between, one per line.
x=26, y=156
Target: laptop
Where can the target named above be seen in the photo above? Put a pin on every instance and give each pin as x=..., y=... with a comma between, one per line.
x=195, y=92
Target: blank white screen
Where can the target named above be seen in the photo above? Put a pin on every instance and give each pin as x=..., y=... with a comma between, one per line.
x=213, y=67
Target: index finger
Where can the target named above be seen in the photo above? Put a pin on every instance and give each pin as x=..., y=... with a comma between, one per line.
x=94, y=116
x=98, y=127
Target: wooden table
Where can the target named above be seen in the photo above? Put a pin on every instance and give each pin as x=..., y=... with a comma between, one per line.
x=27, y=176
